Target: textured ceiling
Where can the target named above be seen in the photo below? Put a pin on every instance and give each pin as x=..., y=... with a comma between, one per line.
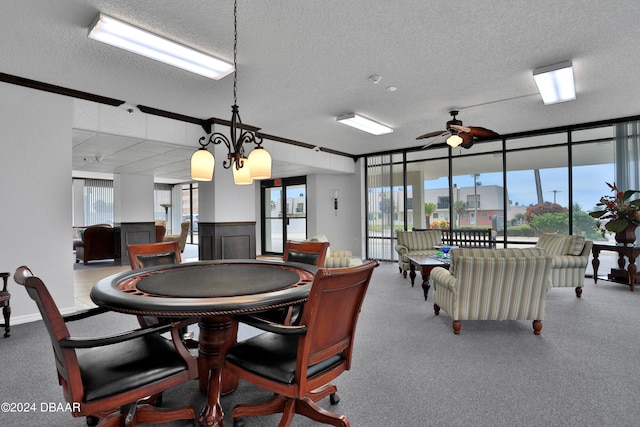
x=302, y=63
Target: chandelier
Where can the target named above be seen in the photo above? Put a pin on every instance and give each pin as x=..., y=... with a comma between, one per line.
x=245, y=168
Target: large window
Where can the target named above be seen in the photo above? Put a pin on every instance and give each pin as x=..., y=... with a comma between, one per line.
x=386, y=204
x=538, y=187
x=524, y=186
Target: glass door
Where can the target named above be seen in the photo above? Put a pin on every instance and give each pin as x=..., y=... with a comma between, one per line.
x=296, y=213
x=284, y=212
x=272, y=213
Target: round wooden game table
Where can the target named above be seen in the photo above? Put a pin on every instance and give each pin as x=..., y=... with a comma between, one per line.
x=211, y=291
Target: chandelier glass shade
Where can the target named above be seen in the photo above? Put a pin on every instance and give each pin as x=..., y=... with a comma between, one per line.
x=260, y=161
x=202, y=165
x=242, y=174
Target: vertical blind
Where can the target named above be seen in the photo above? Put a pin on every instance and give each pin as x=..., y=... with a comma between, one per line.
x=98, y=201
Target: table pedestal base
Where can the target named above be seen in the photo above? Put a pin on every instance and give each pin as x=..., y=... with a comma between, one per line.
x=217, y=335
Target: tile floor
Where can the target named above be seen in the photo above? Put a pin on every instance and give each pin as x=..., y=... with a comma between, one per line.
x=84, y=278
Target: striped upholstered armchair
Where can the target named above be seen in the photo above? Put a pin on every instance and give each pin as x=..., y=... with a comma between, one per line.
x=416, y=243
x=493, y=284
x=569, y=259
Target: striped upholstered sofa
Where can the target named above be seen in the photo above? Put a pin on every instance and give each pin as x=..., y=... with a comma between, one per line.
x=569, y=258
x=493, y=284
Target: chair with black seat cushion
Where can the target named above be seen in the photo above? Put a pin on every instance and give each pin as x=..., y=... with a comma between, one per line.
x=5, y=299
x=313, y=253
x=110, y=378
x=152, y=254
x=298, y=362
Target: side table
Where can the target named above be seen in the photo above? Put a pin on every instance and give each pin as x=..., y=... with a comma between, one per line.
x=630, y=252
x=425, y=264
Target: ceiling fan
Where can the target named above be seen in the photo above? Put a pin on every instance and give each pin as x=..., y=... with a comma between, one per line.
x=457, y=134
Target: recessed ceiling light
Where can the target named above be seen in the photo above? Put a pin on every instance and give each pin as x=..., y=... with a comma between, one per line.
x=555, y=82
x=392, y=89
x=375, y=79
x=362, y=123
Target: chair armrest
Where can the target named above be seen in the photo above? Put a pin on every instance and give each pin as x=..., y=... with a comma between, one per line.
x=569, y=261
x=265, y=325
x=83, y=314
x=442, y=277
x=401, y=249
x=113, y=339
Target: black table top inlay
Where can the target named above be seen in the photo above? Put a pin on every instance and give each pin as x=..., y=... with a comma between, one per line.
x=215, y=281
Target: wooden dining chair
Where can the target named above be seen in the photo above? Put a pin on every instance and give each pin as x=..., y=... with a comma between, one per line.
x=152, y=254
x=313, y=253
x=5, y=302
x=297, y=363
x=111, y=378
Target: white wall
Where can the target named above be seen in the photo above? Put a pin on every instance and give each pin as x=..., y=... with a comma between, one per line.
x=343, y=227
x=133, y=198
x=232, y=203
x=35, y=194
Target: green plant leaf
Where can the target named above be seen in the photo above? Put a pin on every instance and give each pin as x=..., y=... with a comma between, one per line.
x=617, y=225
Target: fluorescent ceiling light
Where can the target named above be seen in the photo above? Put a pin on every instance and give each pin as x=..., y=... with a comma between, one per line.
x=555, y=82
x=364, y=124
x=125, y=36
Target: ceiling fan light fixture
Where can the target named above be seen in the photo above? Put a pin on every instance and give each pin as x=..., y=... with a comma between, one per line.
x=454, y=141
x=555, y=82
x=364, y=124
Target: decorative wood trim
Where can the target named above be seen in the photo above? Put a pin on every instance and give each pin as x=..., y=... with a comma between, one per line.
x=206, y=124
x=33, y=84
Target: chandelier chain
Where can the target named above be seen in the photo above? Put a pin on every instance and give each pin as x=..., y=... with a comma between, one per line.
x=235, y=52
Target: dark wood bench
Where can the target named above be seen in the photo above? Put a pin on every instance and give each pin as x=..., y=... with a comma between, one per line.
x=475, y=238
x=468, y=238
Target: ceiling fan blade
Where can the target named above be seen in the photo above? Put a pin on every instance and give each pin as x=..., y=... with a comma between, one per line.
x=436, y=139
x=482, y=133
x=432, y=134
x=467, y=139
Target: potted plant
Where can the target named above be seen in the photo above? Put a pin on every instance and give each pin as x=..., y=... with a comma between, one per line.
x=622, y=215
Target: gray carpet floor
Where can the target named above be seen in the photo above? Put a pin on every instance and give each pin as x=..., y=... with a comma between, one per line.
x=410, y=369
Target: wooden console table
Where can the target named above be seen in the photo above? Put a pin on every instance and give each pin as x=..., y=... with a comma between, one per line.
x=623, y=274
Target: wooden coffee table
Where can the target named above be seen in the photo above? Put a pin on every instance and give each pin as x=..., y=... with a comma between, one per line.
x=425, y=264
